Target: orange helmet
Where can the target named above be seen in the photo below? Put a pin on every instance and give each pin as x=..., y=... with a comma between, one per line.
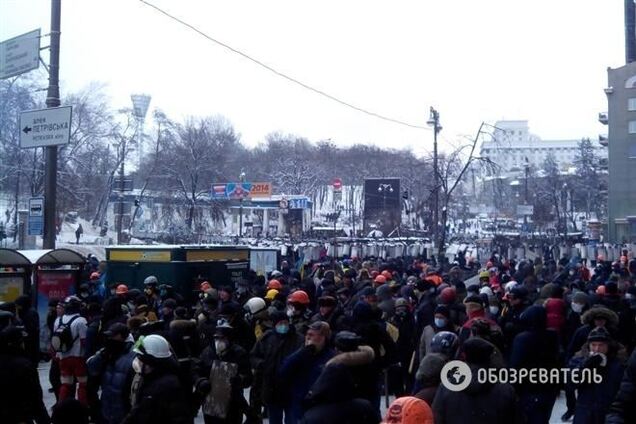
x=94, y=276
x=409, y=410
x=380, y=279
x=121, y=289
x=274, y=284
x=205, y=286
x=600, y=290
x=387, y=274
x=298, y=296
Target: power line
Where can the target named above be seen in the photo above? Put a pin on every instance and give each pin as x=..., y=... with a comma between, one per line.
x=283, y=75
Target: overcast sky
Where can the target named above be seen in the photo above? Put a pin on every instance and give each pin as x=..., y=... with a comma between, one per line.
x=541, y=60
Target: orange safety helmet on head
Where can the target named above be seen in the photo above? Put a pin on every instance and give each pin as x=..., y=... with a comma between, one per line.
x=409, y=410
x=274, y=284
x=387, y=274
x=600, y=290
x=380, y=279
x=121, y=289
x=299, y=296
x=94, y=276
x=205, y=286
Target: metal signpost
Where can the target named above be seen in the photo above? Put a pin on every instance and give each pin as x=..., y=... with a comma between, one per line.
x=45, y=127
x=20, y=54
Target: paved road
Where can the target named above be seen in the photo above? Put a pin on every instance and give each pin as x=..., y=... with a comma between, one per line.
x=49, y=398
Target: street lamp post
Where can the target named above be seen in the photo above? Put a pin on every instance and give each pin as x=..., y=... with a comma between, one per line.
x=433, y=121
x=242, y=180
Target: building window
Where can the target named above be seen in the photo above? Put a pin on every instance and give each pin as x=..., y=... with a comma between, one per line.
x=632, y=127
x=631, y=104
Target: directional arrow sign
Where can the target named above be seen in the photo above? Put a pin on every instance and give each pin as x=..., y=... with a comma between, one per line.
x=45, y=127
x=20, y=54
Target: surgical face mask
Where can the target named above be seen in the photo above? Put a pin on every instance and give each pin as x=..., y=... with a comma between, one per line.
x=282, y=328
x=220, y=346
x=290, y=312
x=440, y=322
x=577, y=307
x=494, y=310
x=138, y=366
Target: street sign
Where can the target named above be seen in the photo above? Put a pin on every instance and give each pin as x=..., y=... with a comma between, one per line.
x=125, y=184
x=35, y=220
x=337, y=184
x=525, y=209
x=45, y=127
x=20, y=54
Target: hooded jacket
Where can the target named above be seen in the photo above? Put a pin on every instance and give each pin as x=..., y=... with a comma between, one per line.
x=623, y=409
x=587, y=319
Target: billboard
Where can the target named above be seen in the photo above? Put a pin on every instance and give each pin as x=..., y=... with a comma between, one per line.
x=382, y=205
x=240, y=190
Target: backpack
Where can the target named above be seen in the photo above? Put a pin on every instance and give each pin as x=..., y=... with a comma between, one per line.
x=62, y=338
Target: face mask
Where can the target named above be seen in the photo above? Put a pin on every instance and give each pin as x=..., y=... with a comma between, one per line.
x=440, y=322
x=220, y=346
x=290, y=312
x=137, y=365
x=577, y=307
x=494, y=310
x=282, y=328
x=629, y=296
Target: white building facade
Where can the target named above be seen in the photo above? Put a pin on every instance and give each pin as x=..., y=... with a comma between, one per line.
x=512, y=144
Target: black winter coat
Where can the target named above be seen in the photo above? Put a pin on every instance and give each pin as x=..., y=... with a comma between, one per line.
x=332, y=399
x=160, y=399
x=20, y=391
x=477, y=404
x=267, y=357
x=623, y=409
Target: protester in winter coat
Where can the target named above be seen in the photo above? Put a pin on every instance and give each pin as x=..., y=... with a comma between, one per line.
x=441, y=322
x=330, y=312
x=479, y=403
x=303, y=367
x=475, y=308
x=405, y=323
x=31, y=323
x=623, y=409
x=267, y=357
x=597, y=316
x=509, y=319
x=223, y=372
x=555, y=310
x=112, y=367
x=536, y=347
x=20, y=391
x=332, y=399
x=156, y=396
x=594, y=398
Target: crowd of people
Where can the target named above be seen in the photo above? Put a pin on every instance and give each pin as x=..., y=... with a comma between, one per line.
x=326, y=343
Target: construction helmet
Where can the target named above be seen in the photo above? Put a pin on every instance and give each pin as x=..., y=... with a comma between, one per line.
x=255, y=305
x=153, y=345
x=299, y=296
x=271, y=294
x=380, y=279
x=387, y=274
x=121, y=289
x=274, y=284
x=484, y=274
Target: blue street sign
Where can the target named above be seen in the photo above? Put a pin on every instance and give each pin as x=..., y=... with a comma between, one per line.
x=35, y=221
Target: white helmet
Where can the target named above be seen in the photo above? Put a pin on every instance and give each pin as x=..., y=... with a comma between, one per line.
x=509, y=286
x=255, y=305
x=155, y=346
x=486, y=290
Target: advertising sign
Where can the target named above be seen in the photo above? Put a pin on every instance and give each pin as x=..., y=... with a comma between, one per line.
x=240, y=190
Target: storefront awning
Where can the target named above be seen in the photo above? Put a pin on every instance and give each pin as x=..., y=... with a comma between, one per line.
x=13, y=258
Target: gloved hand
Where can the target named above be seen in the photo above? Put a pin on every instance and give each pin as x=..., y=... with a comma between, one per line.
x=594, y=361
x=203, y=386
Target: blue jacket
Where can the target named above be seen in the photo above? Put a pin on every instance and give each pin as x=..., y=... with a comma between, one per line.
x=301, y=369
x=115, y=377
x=593, y=400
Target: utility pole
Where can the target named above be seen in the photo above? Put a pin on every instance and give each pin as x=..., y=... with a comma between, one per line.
x=525, y=216
x=52, y=100
x=242, y=180
x=120, y=204
x=433, y=121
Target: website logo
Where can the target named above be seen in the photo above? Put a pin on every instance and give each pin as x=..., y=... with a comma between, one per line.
x=456, y=376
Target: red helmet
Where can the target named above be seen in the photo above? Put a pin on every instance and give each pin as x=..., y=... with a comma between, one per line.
x=387, y=274
x=94, y=276
x=298, y=296
x=380, y=279
x=121, y=289
x=274, y=284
